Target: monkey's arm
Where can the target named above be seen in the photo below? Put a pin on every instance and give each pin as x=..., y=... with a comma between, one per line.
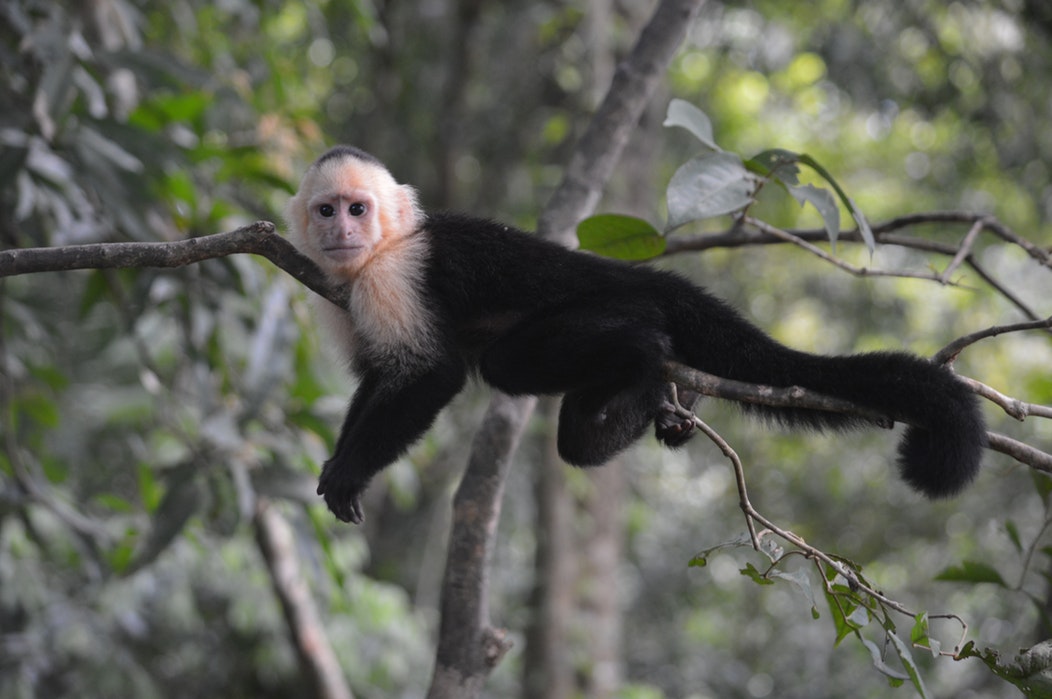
x=388, y=413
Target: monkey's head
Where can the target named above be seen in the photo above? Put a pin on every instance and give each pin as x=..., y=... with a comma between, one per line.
x=349, y=208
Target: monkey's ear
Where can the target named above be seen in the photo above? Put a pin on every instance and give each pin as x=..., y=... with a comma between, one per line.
x=409, y=210
x=296, y=217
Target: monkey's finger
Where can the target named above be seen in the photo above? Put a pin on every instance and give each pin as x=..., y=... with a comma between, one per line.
x=357, y=515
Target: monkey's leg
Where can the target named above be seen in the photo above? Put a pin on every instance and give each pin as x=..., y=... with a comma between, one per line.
x=595, y=424
x=607, y=360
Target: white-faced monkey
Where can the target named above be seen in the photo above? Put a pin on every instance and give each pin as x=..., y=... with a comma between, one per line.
x=436, y=297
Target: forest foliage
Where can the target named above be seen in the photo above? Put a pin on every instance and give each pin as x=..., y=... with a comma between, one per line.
x=148, y=412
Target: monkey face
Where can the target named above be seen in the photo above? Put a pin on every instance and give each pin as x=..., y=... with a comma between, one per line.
x=346, y=210
x=343, y=227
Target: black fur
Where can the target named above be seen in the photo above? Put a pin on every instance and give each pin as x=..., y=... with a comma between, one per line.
x=531, y=317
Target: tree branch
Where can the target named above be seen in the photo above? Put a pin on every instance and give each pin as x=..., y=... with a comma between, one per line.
x=797, y=397
x=752, y=233
x=317, y=658
x=257, y=238
x=469, y=647
x=261, y=239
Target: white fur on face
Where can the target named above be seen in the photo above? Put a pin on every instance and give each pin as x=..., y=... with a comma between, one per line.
x=372, y=246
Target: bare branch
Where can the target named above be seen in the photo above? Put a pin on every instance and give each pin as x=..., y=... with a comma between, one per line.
x=317, y=657
x=948, y=353
x=964, y=251
x=468, y=647
x=788, y=237
x=788, y=397
x=796, y=397
x=753, y=516
x=1014, y=407
x=739, y=235
x=1023, y=453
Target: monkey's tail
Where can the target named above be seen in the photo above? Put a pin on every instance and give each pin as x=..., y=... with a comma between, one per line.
x=941, y=449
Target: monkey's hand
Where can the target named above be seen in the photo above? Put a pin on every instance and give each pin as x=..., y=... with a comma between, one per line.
x=342, y=493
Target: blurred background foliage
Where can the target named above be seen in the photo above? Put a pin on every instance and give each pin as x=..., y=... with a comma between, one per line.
x=146, y=411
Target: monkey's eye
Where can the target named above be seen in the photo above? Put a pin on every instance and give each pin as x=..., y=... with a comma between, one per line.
x=326, y=210
x=357, y=209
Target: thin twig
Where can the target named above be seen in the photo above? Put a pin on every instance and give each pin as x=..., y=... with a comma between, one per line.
x=836, y=261
x=752, y=516
x=948, y=353
x=739, y=235
x=965, y=250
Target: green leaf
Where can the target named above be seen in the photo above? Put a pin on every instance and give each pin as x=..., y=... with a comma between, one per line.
x=920, y=635
x=801, y=580
x=743, y=540
x=1042, y=484
x=863, y=225
x=778, y=164
x=972, y=571
x=708, y=186
x=184, y=499
x=49, y=375
x=750, y=571
x=55, y=470
x=1013, y=534
x=860, y=220
x=687, y=116
x=120, y=556
x=114, y=502
x=919, y=632
x=39, y=408
x=906, y=656
x=1030, y=670
x=620, y=237
x=149, y=489
x=895, y=678
x=95, y=289
x=824, y=202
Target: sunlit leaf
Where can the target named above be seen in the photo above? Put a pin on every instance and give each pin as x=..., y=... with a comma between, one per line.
x=709, y=186
x=685, y=115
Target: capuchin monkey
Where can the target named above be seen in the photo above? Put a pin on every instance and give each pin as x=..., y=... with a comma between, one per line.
x=438, y=297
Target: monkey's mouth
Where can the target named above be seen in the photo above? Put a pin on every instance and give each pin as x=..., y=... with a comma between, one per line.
x=343, y=252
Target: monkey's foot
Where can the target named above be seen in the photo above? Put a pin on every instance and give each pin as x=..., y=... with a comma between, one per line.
x=343, y=496
x=673, y=426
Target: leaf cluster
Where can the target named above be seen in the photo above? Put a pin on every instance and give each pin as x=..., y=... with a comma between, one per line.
x=719, y=183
